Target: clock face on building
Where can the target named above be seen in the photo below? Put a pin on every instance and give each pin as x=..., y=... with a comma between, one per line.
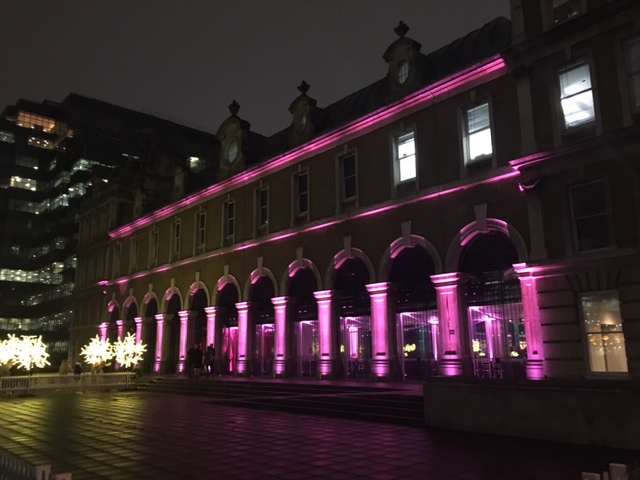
x=403, y=72
x=232, y=151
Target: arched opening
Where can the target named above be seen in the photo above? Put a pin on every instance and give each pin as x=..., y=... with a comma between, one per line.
x=416, y=312
x=173, y=307
x=228, y=316
x=198, y=304
x=150, y=334
x=304, y=341
x=262, y=311
x=354, y=306
x=130, y=322
x=494, y=303
x=112, y=332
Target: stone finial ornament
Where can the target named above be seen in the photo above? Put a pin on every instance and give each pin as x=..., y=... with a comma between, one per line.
x=402, y=29
x=234, y=108
x=303, y=88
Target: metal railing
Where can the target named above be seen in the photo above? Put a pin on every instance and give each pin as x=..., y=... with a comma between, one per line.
x=30, y=384
x=14, y=468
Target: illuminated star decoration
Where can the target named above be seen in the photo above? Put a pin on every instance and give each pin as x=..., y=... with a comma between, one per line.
x=127, y=352
x=97, y=351
x=8, y=349
x=29, y=351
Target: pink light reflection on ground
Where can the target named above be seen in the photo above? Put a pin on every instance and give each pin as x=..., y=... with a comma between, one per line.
x=479, y=71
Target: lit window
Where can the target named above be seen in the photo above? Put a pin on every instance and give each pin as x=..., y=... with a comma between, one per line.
x=565, y=10
x=262, y=210
x=632, y=50
x=349, y=184
x=406, y=157
x=478, y=133
x=229, y=227
x=603, y=332
x=21, y=182
x=590, y=216
x=301, y=196
x=201, y=229
x=196, y=164
x=576, y=95
x=403, y=72
x=7, y=137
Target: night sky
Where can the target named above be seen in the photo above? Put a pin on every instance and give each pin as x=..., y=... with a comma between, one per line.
x=186, y=60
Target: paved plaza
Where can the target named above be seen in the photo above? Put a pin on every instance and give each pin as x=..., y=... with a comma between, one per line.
x=142, y=435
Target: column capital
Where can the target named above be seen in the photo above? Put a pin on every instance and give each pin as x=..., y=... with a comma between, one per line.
x=323, y=295
x=379, y=288
x=138, y=320
x=119, y=322
x=161, y=317
x=449, y=279
x=280, y=301
x=210, y=310
x=243, y=306
x=183, y=314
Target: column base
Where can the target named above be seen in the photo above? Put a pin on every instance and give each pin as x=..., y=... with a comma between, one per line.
x=330, y=369
x=535, y=369
x=243, y=367
x=385, y=370
x=450, y=367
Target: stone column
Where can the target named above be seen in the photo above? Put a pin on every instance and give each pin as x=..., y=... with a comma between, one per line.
x=452, y=313
x=329, y=364
x=282, y=354
x=245, y=337
x=214, y=329
x=385, y=364
x=140, y=330
x=104, y=329
x=535, y=354
x=120, y=324
x=162, y=343
x=187, y=321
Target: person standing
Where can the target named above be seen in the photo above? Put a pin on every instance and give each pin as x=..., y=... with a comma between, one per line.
x=209, y=359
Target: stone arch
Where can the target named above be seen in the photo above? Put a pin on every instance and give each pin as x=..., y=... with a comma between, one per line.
x=470, y=231
x=340, y=257
x=193, y=288
x=398, y=245
x=253, y=278
x=112, y=305
x=222, y=281
x=293, y=268
x=171, y=291
x=145, y=302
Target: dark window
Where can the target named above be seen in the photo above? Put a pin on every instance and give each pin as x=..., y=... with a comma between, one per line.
x=590, y=216
x=302, y=194
x=349, y=186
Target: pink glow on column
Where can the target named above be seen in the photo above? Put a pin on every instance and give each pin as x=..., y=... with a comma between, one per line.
x=433, y=321
x=139, y=322
x=103, y=327
x=483, y=71
x=448, y=287
x=281, y=354
x=184, y=335
x=378, y=292
x=489, y=332
x=159, y=341
x=324, y=299
x=120, y=324
x=211, y=313
x=243, y=334
x=535, y=352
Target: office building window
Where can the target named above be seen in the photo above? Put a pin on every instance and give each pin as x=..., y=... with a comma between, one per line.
x=563, y=10
x=176, y=238
x=201, y=229
x=262, y=210
x=154, y=243
x=229, y=221
x=478, y=134
x=348, y=180
x=590, y=216
x=7, y=137
x=603, y=331
x=405, y=153
x=576, y=95
x=301, y=196
x=632, y=52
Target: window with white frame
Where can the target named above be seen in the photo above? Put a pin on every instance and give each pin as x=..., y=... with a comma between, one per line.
x=229, y=221
x=632, y=53
x=405, y=153
x=176, y=238
x=604, y=336
x=133, y=254
x=262, y=210
x=348, y=178
x=563, y=10
x=301, y=195
x=478, y=134
x=576, y=95
x=154, y=244
x=201, y=229
x=590, y=216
